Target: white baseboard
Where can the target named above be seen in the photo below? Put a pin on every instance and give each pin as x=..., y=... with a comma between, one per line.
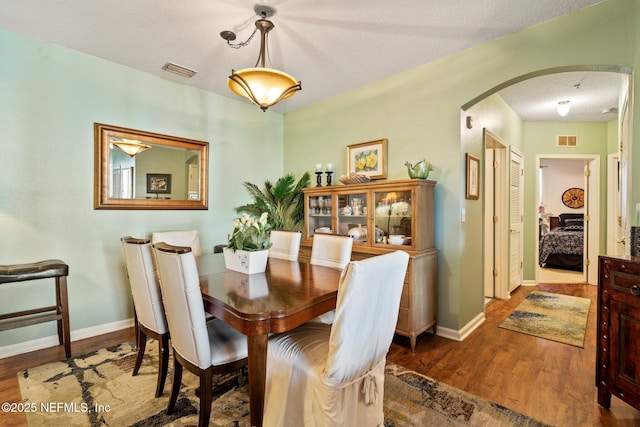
x=529, y=283
x=51, y=341
x=460, y=335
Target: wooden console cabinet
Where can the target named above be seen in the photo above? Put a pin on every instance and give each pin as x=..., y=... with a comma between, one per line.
x=618, y=352
x=371, y=213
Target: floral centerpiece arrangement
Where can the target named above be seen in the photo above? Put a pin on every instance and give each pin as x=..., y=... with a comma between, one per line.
x=247, y=250
x=250, y=234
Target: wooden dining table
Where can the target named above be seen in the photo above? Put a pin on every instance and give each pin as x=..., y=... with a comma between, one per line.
x=285, y=296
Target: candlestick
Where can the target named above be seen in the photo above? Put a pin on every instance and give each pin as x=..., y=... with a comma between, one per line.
x=318, y=178
x=328, y=178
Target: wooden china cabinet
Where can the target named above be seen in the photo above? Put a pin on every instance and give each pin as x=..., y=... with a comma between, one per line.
x=383, y=217
x=618, y=352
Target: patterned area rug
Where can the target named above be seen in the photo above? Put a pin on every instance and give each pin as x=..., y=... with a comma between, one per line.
x=555, y=317
x=97, y=389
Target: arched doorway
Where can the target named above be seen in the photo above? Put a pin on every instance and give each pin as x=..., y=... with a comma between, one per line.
x=496, y=124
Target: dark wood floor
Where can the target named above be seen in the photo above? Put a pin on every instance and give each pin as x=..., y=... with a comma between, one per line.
x=552, y=382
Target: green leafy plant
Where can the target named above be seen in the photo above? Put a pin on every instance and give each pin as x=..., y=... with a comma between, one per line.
x=283, y=201
x=250, y=234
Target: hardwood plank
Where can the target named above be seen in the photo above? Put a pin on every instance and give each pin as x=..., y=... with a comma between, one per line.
x=552, y=382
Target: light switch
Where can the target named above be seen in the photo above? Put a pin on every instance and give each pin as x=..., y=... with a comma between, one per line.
x=463, y=215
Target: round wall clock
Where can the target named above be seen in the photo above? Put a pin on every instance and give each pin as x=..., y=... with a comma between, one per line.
x=573, y=198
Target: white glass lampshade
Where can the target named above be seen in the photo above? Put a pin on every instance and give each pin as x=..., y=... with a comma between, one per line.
x=563, y=108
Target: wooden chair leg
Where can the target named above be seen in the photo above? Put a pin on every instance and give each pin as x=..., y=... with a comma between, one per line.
x=175, y=387
x=206, y=395
x=62, y=304
x=142, y=344
x=136, y=326
x=163, y=363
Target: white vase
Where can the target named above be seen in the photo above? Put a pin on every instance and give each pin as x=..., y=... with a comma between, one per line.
x=248, y=262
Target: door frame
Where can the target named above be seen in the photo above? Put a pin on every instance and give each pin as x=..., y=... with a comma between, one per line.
x=592, y=198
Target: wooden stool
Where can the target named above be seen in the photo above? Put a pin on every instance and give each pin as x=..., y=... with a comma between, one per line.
x=59, y=312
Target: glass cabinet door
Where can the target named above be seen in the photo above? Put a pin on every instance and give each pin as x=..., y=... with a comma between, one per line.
x=393, y=217
x=352, y=216
x=319, y=214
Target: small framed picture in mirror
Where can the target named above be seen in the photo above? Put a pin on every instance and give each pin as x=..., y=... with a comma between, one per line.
x=159, y=183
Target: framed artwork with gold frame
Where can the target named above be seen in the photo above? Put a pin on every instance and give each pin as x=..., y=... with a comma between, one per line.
x=368, y=158
x=473, y=177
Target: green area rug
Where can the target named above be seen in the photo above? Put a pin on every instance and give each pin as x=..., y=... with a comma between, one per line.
x=97, y=389
x=555, y=317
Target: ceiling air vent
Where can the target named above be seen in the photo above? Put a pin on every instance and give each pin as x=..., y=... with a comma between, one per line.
x=567, y=141
x=179, y=70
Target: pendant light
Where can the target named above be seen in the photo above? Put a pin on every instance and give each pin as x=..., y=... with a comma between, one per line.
x=563, y=108
x=130, y=147
x=263, y=86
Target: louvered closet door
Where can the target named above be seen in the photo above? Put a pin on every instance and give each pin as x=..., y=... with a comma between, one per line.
x=516, y=205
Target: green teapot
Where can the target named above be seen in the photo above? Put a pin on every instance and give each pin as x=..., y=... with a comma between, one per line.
x=419, y=170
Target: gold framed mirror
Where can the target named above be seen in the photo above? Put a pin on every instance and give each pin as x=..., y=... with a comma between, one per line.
x=134, y=169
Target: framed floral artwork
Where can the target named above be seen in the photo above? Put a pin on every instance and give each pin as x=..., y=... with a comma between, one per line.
x=473, y=177
x=368, y=158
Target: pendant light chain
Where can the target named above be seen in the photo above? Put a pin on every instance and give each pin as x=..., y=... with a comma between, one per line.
x=244, y=43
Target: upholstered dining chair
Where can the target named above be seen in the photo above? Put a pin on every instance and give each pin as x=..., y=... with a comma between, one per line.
x=179, y=238
x=330, y=251
x=285, y=244
x=203, y=348
x=147, y=303
x=333, y=375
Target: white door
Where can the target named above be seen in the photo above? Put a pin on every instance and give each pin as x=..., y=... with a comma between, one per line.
x=489, y=267
x=592, y=220
x=516, y=208
x=625, y=159
x=615, y=232
x=496, y=250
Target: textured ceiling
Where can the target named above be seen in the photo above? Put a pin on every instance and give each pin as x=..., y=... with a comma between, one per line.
x=588, y=93
x=331, y=46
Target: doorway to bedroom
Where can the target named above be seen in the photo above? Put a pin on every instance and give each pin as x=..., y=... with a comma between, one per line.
x=568, y=191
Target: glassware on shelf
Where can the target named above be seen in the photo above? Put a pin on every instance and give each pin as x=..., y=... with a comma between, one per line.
x=356, y=206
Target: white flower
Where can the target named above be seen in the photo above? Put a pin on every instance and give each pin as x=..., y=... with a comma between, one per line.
x=263, y=219
x=249, y=232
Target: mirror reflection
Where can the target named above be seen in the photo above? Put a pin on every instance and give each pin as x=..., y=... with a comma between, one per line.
x=142, y=170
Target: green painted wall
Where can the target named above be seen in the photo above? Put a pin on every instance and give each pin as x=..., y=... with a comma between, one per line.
x=494, y=115
x=419, y=111
x=52, y=96
x=50, y=99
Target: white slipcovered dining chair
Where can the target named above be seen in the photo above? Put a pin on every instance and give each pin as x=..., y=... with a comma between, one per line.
x=285, y=244
x=332, y=251
x=203, y=348
x=188, y=238
x=333, y=375
x=147, y=303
